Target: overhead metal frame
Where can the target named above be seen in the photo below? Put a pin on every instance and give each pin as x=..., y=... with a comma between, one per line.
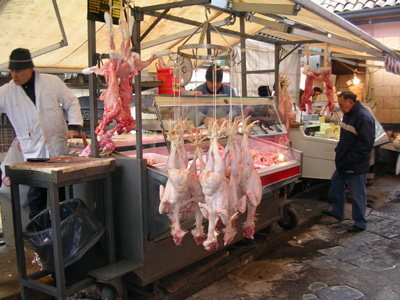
x=241, y=10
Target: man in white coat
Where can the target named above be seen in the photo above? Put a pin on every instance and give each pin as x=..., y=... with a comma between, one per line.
x=33, y=103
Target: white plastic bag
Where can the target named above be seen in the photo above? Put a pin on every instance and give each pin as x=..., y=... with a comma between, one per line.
x=13, y=155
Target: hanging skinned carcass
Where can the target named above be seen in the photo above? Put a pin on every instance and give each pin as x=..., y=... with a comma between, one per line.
x=285, y=102
x=119, y=71
x=326, y=78
x=309, y=84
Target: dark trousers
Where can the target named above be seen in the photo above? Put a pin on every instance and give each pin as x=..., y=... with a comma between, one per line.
x=37, y=199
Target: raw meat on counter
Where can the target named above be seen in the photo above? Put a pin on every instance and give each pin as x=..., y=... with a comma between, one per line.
x=106, y=146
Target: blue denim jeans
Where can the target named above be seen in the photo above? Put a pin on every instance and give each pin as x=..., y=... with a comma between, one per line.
x=358, y=192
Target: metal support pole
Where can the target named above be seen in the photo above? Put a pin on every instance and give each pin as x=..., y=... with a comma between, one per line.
x=277, y=61
x=243, y=56
x=138, y=90
x=92, y=87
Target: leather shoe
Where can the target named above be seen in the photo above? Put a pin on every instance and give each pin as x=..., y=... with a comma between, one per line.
x=355, y=228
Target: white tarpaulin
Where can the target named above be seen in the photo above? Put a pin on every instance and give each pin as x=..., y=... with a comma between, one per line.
x=261, y=56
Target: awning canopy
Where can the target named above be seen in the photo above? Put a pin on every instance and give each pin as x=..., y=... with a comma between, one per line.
x=35, y=25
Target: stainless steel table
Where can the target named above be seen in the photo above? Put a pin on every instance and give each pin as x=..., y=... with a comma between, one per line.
x=59, y=172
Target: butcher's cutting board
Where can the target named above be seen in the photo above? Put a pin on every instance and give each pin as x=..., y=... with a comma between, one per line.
x=62, y=163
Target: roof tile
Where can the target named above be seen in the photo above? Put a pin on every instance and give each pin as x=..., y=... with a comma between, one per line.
x=380, y=3
x=359, y=6
x=348, y=5
x=369, y=4
x=339, y=7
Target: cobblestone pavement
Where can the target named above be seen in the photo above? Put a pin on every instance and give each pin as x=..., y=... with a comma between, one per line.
x=322, y=261
x=325, y=262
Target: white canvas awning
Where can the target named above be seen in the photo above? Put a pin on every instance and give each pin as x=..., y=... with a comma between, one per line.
x=33, y=24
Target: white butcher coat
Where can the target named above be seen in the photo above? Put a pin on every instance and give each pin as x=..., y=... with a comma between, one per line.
x=41, y=128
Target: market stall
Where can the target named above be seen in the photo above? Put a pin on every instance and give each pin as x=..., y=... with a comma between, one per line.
x=142, y=239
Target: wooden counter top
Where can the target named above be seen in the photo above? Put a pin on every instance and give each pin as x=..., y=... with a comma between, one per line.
x=63, y=164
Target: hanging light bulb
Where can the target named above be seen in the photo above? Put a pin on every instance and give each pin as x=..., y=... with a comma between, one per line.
x=356, y=80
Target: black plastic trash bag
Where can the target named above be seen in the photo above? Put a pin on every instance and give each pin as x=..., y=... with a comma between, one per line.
x=79, y=232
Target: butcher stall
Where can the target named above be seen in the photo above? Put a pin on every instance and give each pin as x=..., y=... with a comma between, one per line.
x=317, y=141
x=141, y=231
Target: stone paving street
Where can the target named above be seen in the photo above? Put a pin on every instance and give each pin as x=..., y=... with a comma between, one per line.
x=317, y=260
x=325, y=262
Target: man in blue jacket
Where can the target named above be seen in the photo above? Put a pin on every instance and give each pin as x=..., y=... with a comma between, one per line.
x=353, y=155
x=212, y=86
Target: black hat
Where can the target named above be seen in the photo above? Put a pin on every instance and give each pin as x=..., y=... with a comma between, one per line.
x=317, y=89
x=20, y=59
x=210, y=72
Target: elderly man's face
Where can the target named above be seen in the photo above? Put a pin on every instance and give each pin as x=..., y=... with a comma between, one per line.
x=345, y=105
x=21, y=77
x=210, y=86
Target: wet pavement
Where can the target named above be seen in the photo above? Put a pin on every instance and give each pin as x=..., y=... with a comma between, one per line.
x=317, y=260
x=325, y=261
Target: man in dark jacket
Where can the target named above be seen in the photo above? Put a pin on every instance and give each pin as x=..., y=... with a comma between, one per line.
x=353, y=155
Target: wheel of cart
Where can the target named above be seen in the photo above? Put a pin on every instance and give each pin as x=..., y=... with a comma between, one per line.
x=289, y=217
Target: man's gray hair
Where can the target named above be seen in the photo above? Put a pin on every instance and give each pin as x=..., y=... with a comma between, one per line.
x=348, y=95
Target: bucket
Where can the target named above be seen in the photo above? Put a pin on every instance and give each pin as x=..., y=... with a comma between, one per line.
x=170, y=84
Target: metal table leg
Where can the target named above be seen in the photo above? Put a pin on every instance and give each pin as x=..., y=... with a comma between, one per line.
x=61, y=285
x=19, y=241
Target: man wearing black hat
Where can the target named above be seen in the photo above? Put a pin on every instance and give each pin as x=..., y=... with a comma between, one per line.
x=211, y=87
x=33, y=103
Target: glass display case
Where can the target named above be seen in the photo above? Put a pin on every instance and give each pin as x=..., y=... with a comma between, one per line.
x=269, y=140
